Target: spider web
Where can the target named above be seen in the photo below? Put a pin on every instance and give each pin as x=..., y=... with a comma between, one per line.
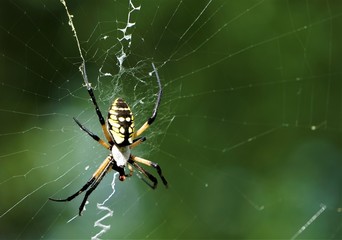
x=248, y=133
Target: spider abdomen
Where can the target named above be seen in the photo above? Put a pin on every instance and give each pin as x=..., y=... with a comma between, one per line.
x=120, y=122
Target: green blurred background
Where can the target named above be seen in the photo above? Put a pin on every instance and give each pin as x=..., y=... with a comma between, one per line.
x=248, y=133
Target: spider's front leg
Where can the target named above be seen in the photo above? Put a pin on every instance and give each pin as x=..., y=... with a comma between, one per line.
x=92, y=135
x=99, y=114
x=147, y=124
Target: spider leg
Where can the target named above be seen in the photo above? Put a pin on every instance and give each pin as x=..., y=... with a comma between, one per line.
x=137, y=141
x=93, y=182
x=146, y=174
x=99, y=114
x=130, y=170
x=151, y=164
x=75, y=194
x=154, y=113
x=94, y=136
x=91, y=189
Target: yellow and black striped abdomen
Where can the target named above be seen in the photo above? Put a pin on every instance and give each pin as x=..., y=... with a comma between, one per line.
x=121, y=122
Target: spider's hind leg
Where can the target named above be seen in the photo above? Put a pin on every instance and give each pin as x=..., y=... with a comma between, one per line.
x=92, y=183
x=75, y=194
x=146, y=174
x=151, y=164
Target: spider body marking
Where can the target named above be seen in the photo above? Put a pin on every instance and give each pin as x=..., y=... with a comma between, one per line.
x=120, y=123
x=121, y=137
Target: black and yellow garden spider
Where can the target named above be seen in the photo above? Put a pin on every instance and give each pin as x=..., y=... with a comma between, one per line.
x=121, y=138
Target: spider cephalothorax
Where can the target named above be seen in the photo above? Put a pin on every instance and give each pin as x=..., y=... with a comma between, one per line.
x=121, y=138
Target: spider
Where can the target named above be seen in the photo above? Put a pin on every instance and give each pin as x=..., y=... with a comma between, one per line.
x=121, y=138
